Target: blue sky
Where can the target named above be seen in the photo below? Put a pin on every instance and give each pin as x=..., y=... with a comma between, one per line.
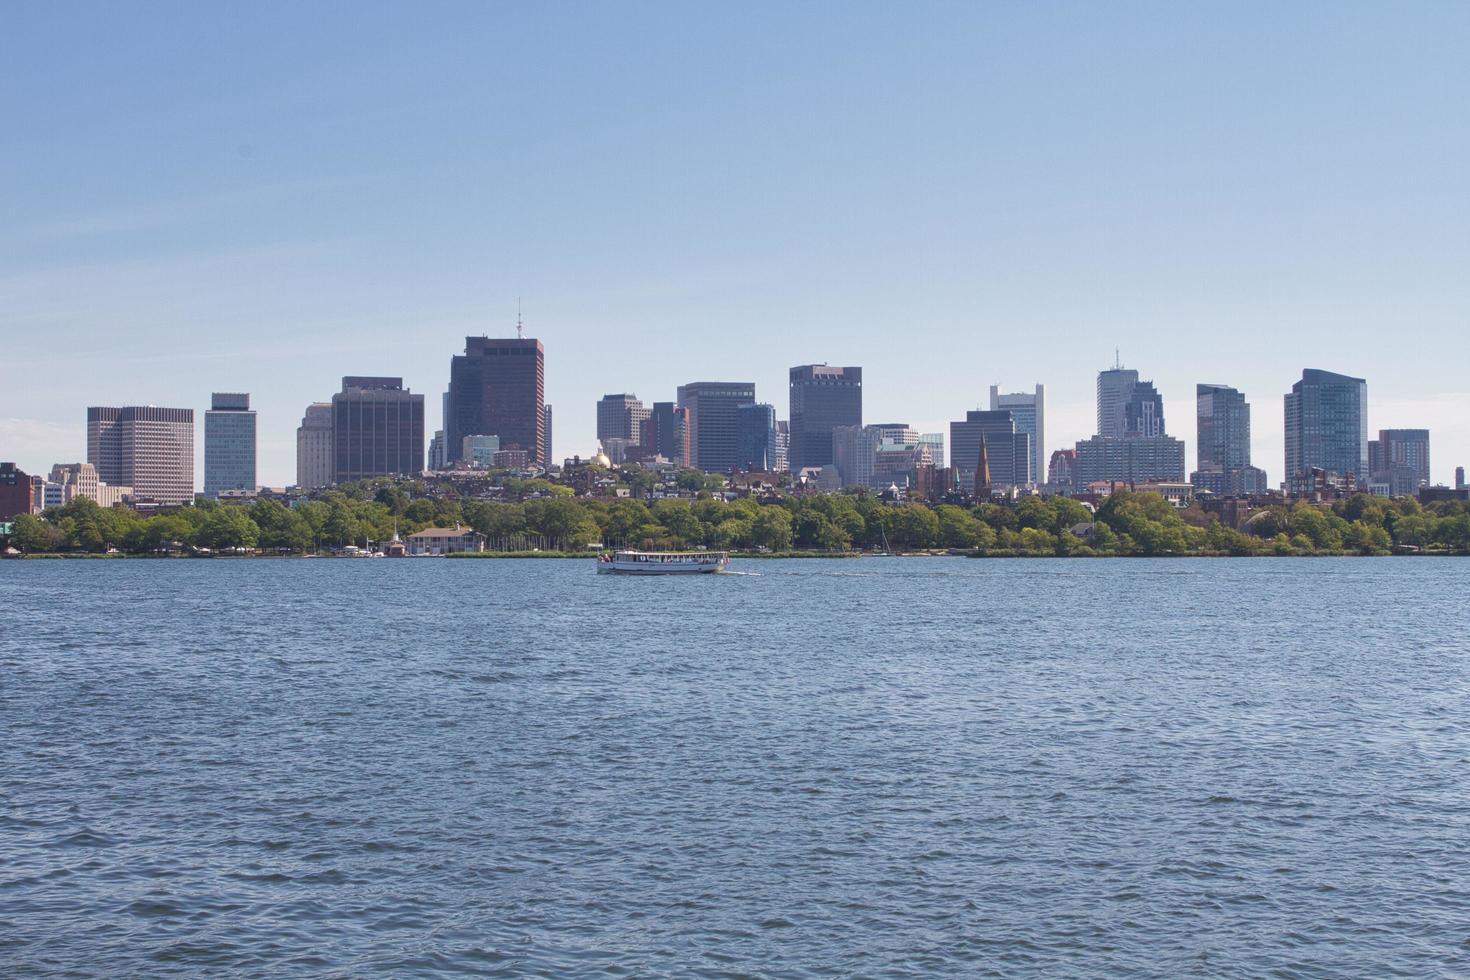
x=266, y=197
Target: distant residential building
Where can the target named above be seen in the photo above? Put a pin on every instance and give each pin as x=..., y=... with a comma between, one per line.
x=756, y=443
x=497, y=387
x=899, y=463
x=1223, y=447
x=714, y=421
x=1399, y=460
x=1007, y=451
x=822, y=399
x=377, y=429
x=511, y=459
x=15, y=491
x=479, y=451
x=935, y=442
x=68, y=481
x=783, y=446
x=149, y=449
x=620, y=417
x=1326, y=427
x=314, y=450
x=1029, y=411
x=666, y=433
x=1059, y=469
x=1141, y=459
x=229, y=444
x=445, y=541
x=550, y=453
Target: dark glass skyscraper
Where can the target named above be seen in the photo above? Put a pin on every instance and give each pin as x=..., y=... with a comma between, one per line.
x=1223, y=429
x=714, y=421
x=1007, y=451
x=822, y=398
x=497, y=387
x=377, y=430
x=756, y=447
x=1327, y=425
x=666, y=432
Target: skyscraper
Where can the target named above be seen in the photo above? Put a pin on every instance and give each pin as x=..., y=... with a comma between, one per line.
x=1223, y=447
x=1143, y=411
x=1459, y=478
x=497, y=388
x=713, y=421
x=783, y=446
x=314, y=451
x=1114, y=386
x=1007, y=451
x=666, y=433
x=620, y=417
x=1327, y=425
x=822, y=398
x=149, y=449
x=1399, y=458
x=546, y=426
x=1029, y=411
x=377, y=430
x=756, y=447
x=229, y=444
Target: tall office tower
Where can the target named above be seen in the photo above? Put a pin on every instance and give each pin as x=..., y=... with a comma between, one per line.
x=1114, y=387
x=1007, y=450
x=713, y=421
x=1143, y=412
x=822, y=398
x=666, y=433
x=935, y=442
x=854, y=453
x=438, y=458
x=15, y=491
x=783, y=446
x=229, y=444
x=1399, y=458
x=1223, y=448
x=1029, y=411
x=755, y=438
x=314, y=451
x=146, y=448
x=377, y=429
x=620, y=417
x=546, y=434
x=1459, y=478
x=497, y=387
x=1327, y=426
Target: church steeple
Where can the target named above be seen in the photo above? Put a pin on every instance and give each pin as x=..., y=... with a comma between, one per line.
x=982, y=472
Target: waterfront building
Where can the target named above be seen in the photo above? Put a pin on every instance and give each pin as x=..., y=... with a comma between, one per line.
x=935, y=442
x=314, y=452
x=546, y=425
x=15, y=491
x=714, y=421
x=68, y=481
x=377, y=429
x=144, y=447
x=229, y=443
x=822, y=399
x=1326, y=427
x=497, y=387
x=621, y=417
x=1007, y=451
x=756, y=447
x=479, y=451
x=1399, y=460
x=666, y=433
x=1114, y=388
x=1059, y=470
x=1223, y=446
x=445, y=541
x=1029, y=411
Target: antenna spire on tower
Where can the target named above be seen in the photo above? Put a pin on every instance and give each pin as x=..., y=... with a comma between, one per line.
x=520, y=328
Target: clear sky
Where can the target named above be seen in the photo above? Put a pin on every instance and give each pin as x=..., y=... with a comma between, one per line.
x=265, y=197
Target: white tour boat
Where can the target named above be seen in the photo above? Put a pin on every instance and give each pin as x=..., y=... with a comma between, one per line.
x=662, y=562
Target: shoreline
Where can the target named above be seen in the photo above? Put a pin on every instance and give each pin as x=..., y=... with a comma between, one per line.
x=779, y=556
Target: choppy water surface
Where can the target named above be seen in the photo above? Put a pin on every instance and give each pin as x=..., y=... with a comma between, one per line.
x=882, y=766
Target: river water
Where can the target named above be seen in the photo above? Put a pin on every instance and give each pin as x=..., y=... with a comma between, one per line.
x=902, y=767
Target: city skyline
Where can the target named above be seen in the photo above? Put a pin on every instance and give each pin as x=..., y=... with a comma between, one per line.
x=1276, y=206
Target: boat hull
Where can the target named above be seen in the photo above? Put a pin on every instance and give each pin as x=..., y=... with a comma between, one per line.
x=617, y=568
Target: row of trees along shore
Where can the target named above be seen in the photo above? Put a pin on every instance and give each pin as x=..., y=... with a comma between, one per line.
x=1126, y=524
